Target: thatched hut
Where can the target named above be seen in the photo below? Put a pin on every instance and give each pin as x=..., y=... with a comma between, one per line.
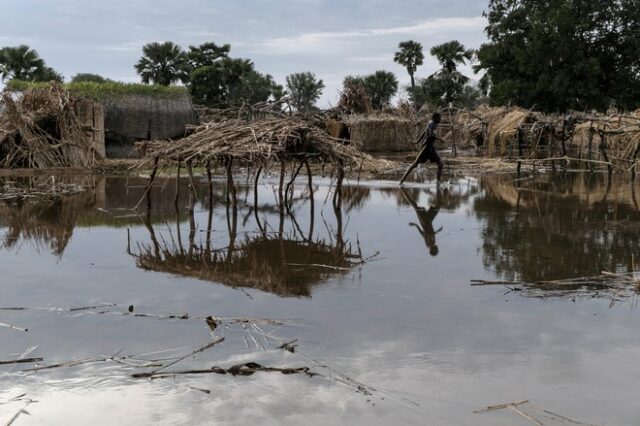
x=145, y=117
x=383, y=132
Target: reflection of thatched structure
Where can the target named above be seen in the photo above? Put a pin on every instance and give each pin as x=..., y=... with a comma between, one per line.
x=280, y=262
x=286, y=267
x=552, y=232
x=47, y=220
x=46, y=128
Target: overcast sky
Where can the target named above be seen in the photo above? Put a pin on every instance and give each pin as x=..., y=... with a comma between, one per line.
x=331, y=38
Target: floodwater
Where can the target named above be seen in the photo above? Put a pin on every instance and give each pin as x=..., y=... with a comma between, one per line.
x=374, y=298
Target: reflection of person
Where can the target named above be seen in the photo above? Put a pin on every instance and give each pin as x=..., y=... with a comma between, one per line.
x=426, y=217
x=428, y=151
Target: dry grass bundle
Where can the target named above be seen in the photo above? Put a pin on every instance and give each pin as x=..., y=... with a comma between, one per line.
x=354, y=99
x=621, y=132
x=41, y=129
x=259, y=142
x=282, y=266
x=383, y=132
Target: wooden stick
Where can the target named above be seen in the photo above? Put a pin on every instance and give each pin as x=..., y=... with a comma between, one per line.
x=501, y=406
x=22, y=361
x=197, y=351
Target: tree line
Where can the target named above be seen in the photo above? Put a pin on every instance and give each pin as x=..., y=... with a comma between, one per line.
x=551, y=55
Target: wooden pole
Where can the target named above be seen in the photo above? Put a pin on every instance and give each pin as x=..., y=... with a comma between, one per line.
x=177, y=197
x=281, y=185
x=255, y=199
x=192, y=181
x=520, y=142
x=590, y=145
x=603, y=149
x=311, y=198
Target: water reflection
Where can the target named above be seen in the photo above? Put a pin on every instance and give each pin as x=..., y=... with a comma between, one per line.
x=426, y=218
x=45, y=221
x=546, y=228
x=287, y=261
x=557, y=227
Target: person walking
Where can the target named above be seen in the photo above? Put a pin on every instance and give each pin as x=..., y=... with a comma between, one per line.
x=428, y=151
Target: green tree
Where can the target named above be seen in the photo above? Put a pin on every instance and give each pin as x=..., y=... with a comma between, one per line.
x=163, y=64
x=304, y=90
x=229, y=82
x=563, y=54
x=446, y=86
x=88, y=78
x=411, y=57
x=24, y=63
x=207, y=54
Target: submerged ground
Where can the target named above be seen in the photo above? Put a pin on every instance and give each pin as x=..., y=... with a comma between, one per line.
x=374, y=298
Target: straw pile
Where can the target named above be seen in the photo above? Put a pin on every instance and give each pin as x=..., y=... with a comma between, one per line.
x=622, y=135
x=41, y=129
x=259, y=142
x=383, y=132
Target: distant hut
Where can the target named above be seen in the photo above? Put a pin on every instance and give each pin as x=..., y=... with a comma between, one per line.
x=139, y=117
x=382, y=132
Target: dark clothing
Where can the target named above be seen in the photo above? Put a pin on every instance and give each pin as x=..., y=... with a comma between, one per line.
x=428, y=153
x=428, y=139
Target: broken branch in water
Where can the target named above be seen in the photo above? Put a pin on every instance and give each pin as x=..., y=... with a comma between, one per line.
x=13, y=327
x=513, y=406
x=615, y=286
x=90, y=308
x=197, y=351
x=66, y=364
x=246, y=369
x=22, y=361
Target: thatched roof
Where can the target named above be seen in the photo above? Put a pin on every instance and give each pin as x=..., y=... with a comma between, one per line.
x=146, y=117
x=382, y=132
x=258, y=142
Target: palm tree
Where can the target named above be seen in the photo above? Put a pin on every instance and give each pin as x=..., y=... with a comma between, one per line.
x=381, y=87
x=451, y=54
x=20, y=63
x=163, y=63
x=411, y=57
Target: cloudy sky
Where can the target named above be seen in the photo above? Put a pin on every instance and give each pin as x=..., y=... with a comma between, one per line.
x=332, y=38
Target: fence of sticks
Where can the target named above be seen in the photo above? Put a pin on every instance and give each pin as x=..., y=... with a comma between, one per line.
x=610, y=141
x=257, y=143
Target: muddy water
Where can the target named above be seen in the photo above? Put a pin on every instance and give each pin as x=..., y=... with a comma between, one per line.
x=376, y=296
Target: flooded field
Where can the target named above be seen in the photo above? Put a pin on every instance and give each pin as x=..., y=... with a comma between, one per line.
x=245, y=314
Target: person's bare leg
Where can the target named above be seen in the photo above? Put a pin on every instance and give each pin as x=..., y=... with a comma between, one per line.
x=409, y=170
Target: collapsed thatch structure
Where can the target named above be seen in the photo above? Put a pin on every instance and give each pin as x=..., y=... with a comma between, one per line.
x=47, y=128
x=259, y=142
x=612, y=139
